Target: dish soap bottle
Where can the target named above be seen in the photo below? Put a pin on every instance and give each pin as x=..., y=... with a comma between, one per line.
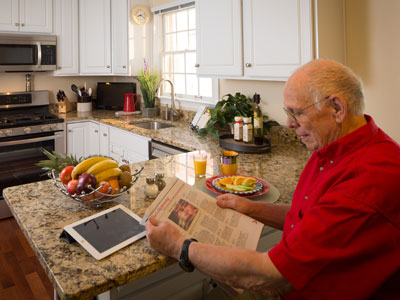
x=247, y=131
x=238, y=129
x=257, y=121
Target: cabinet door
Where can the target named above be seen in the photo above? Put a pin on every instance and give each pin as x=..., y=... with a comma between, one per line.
x=36, y=16
x=66, y=29
x=9, y=15
x=95, y=36
x=77, y=134
x=93, y=139
x=119, y=25
x=104, y=147
x=122, y=142
x=219, y=37
x=277, y=37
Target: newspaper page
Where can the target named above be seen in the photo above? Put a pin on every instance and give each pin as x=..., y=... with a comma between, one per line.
x=197, y=215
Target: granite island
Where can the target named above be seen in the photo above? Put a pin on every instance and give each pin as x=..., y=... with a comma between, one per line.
x=42, y=211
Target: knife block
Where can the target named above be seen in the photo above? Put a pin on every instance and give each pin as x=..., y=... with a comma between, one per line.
x=64, y=106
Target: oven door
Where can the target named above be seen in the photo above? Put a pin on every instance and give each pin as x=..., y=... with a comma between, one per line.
x=19, y=156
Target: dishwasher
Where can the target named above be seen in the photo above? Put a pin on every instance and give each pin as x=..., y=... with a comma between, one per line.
x=158, y=149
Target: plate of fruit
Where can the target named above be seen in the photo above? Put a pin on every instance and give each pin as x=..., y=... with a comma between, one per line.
x=248, y=186
x=93, y=180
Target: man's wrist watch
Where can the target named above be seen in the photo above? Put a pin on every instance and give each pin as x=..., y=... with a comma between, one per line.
x=184, y=262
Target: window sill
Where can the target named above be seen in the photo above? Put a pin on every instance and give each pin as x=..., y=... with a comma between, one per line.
x=190, y=104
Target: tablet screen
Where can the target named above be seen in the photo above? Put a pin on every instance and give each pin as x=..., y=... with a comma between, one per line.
x=110, y=229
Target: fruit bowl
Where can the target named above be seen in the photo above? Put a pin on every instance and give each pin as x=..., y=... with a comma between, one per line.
x=94, y=196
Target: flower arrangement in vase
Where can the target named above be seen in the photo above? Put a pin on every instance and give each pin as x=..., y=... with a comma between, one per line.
x=148, y=82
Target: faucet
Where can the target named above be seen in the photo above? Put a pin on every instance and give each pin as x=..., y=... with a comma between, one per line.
x=174, y=113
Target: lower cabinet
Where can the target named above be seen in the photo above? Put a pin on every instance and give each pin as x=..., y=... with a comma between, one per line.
x=89, y=138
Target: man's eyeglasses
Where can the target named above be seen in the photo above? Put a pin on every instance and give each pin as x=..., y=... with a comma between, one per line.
x=292, y=115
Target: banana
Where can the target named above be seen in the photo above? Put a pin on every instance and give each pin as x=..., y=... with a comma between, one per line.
x=114, y=172
x=102, y=166
x=86, y=164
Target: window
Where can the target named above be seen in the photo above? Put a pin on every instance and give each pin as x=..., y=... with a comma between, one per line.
x=178, y=58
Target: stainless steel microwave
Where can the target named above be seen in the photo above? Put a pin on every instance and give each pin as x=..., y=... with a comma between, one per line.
x=27, y=53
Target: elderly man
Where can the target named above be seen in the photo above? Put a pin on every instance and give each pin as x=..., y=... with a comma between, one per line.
x=341, y=235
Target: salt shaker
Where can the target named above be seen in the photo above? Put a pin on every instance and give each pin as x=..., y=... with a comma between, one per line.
x=151, y=189
x=160, y=181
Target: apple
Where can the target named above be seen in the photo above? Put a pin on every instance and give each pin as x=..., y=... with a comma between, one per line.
x=84, y=181
x=65, y=175
x=72, y=187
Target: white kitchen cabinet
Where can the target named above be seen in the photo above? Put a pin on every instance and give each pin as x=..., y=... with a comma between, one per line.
x=93, y=139
x=77, y=134
x=103, y=37
x=95, y=36
x=66, y=29
x=278, y=36
x=34, y=16
x=104, y=140
x=119, y=28
x=128, y=147
x=219, y=37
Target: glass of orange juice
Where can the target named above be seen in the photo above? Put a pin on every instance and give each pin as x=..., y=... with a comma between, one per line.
x=200, y=164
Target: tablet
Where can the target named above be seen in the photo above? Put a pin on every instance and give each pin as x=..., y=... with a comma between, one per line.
x=108, y=231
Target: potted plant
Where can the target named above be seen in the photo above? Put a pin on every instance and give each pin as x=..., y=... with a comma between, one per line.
x=148, y=82
x=222, y=116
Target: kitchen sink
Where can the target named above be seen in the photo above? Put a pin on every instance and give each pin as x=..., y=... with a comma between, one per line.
x=154, y=125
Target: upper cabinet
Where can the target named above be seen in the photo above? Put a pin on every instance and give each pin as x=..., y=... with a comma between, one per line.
x=34, y=16
x=103, y=28
x=266, y=39
x=92, y=37
x=66, y=29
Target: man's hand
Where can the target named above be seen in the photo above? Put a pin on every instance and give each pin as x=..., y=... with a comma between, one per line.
x=235, y=202
x=164, y=237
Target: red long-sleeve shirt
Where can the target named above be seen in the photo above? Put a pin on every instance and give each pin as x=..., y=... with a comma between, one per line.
x=341, y=237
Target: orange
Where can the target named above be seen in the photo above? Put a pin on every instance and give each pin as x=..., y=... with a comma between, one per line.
x=114, y=185
x=226, y=180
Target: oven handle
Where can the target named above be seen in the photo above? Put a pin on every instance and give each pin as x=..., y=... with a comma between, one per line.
x=32, y=140
x=39, y=48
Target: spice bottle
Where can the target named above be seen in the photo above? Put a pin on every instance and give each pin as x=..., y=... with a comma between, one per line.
x=247, y=130
x=238, y=129
x=151, y=189
x=160, y=181
x=257, y=121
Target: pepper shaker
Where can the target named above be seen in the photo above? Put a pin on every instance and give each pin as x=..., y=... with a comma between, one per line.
x=151, y=189
x=160, y=180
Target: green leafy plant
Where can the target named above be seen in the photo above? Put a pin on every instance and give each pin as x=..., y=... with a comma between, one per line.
x=224, y=113
x=148, y=81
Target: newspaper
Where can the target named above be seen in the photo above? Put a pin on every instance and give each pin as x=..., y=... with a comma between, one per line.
x=197, y=215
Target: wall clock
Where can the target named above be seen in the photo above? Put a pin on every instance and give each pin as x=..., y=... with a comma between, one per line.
x=141, y=14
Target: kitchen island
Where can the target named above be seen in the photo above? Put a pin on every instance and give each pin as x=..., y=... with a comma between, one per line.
x=42, y=211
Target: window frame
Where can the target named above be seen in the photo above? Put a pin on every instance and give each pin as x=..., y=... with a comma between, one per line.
x=184, y=100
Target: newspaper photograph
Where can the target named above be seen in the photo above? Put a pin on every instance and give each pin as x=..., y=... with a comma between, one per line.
x=197, y=215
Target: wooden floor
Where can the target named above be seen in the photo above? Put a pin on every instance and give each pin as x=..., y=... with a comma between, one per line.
x=21, y=275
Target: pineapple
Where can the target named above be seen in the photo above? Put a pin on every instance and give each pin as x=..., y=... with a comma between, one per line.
x=57, y=161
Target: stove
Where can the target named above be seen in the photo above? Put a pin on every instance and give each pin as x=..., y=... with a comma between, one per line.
x=26, y=128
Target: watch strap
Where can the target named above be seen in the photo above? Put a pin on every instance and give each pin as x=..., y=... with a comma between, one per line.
x=184, y=257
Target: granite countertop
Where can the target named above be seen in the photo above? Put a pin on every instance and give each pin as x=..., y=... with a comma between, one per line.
x=42, y=211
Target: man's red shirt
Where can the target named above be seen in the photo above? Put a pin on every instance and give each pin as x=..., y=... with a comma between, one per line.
x=341, y=237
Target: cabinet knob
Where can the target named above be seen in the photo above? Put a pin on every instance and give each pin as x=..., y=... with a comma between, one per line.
x=248, y=65
x=124, y=67
x=22, y=24
x=104, y=134
x=16, y=24
x=96, y=131
x=197, y=65
x=108, y=66
x=69, y=130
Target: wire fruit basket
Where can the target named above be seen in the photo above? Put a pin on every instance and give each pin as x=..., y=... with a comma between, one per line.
x=94, y=196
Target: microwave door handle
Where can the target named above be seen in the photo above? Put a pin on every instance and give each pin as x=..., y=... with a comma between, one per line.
x=39, y=49
x=32, y=140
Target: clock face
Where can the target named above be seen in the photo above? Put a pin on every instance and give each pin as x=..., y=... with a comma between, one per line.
x=140, y=15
